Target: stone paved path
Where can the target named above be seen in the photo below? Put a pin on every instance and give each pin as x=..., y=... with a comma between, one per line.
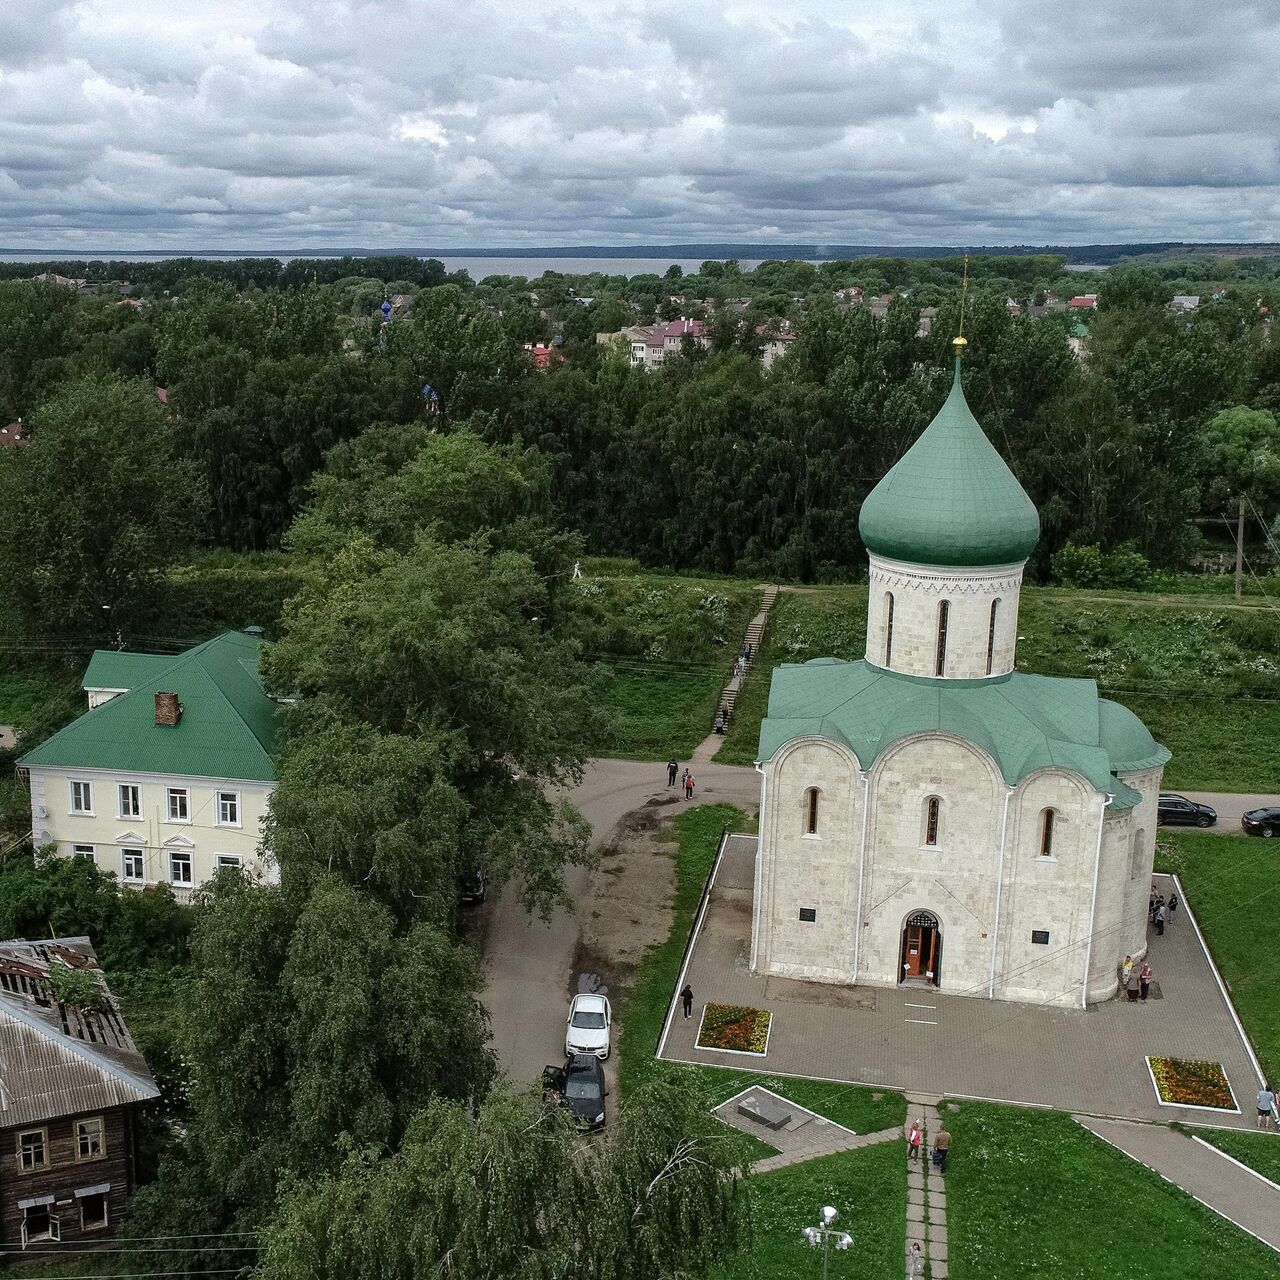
x=729, y=695
x=1202, y=1171
x=926, y=1190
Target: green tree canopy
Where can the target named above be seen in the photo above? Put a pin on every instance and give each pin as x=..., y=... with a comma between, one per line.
x=1243, y=447
x=506, y=1194
x=94, y=510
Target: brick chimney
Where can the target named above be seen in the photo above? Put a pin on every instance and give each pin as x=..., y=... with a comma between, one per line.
x=168, y=708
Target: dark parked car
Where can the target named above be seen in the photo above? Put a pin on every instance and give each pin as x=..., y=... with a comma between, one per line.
x=1177, y=811
x=578, y=1085
x=1262, y=822
x=472, y=888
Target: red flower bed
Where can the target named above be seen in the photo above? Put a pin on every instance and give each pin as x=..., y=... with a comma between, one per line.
x=1182, y=1082
x=735, y=1027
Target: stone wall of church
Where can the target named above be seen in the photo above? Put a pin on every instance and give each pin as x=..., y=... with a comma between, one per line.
x=954, y=879
x=1047, y=889
x=810, y=872
x=1142, y=852
x=910, y=645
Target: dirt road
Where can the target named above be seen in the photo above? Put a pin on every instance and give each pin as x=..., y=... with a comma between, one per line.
x=530, y=966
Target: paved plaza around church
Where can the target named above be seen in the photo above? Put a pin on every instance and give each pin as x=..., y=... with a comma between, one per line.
x=920, y=1039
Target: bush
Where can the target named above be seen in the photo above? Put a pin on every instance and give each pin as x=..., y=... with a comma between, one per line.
x=1120, y=569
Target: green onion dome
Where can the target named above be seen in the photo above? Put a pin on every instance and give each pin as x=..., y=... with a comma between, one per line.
x=950, y=499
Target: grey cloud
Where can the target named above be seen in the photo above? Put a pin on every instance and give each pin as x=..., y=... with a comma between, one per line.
x=171, y=123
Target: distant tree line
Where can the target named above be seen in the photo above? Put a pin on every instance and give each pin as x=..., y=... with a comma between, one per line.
x=710, y=463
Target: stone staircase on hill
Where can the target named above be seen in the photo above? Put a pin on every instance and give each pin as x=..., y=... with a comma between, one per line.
x=754, y=637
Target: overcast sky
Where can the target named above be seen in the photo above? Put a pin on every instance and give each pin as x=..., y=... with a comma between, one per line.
x=260, y=124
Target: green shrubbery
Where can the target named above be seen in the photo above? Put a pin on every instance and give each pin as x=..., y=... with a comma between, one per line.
x=1117, y=569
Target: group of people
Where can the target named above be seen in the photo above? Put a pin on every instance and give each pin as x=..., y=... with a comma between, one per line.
x=686, y=778
x=1160, y=912
x=1135, y=978
x=740, y=664
x=941, y=1144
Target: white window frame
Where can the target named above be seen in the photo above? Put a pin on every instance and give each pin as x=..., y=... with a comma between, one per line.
x=136, y=794
x=106, y=1212
x=233, y=798
x=182, y=857
x=221, y=860
x=83, y=851
x=77, y=795
x=85, y=1121
x=125, y=856
x=44, y=1150
x=55, y=1226
x=172, y=793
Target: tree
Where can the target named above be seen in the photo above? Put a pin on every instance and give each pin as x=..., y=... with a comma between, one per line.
x=446, y=645
x=94, y=510
x=1243, y=447
x=506, y=1194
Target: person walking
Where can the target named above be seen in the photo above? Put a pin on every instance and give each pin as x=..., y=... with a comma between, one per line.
x=1160, y=913
x=686, y=1000
x=942, y=1148
x=1173, y=906
x=673, y=767
x=1126, y=971
x=1144, y=979
x=1266, y=1106
x=684, y=777
x=688, y=785
x=914, y=1139
x=1132, y=985
x=915, y=1260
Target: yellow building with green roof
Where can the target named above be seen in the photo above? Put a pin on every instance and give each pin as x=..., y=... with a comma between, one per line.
x=166, y=777
x=932, y=815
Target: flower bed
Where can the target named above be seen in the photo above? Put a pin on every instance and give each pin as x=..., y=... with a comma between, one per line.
x=1180, y=1082
x=734, y=1028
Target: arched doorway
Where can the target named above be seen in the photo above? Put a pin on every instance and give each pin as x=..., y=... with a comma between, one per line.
x=921, y=959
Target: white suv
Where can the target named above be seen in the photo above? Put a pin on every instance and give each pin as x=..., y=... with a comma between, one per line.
x=588, y=1026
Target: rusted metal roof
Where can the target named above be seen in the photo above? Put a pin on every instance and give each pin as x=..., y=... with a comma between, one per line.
x=55, y=1058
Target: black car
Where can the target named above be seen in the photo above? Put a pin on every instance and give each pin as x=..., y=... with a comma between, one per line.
x=578, y=1085
x=1177, y=811
x=473, y=887
x=1262, y=822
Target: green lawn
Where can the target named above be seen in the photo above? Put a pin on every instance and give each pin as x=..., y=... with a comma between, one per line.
x=1202, y=675
x=1228, y=882
x=656, y=712
x=868, y=1187
x=1031, y=1193
x=1260, y=1151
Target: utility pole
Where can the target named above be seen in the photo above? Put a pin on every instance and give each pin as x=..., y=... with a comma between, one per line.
x=1240, y=550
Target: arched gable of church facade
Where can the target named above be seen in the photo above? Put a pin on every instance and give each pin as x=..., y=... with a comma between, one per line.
x=807, y=879
x=952, y=876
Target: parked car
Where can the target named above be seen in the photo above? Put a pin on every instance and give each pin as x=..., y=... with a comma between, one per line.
x=473, y=887
x=1262, y=822
x=587, y=1030
x=579, y=1086
x=1173, y=810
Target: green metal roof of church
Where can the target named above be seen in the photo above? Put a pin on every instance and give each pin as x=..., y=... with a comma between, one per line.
x=1023, y=722
x=950, y=499
x=227, y=729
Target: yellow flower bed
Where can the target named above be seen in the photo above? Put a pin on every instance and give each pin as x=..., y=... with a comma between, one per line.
x=734, y=1027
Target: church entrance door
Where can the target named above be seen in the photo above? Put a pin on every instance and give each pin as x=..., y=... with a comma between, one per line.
x=921, y=947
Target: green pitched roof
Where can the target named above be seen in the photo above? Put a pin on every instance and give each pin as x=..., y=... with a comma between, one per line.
x=227, y=730
x=950, y=499
x=1024, y=722
x=111, y=670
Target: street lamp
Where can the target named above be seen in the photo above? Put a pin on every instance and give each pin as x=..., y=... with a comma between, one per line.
x=825, y=1234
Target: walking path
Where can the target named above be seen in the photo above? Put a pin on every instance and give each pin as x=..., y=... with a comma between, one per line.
x=1238, y=1194
x=926, y=1191
x=729, y=695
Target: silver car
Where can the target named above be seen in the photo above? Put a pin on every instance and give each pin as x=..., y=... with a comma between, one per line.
x=587, y=1029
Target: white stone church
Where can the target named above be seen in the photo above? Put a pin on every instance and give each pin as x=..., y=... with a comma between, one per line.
x=930, y=815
